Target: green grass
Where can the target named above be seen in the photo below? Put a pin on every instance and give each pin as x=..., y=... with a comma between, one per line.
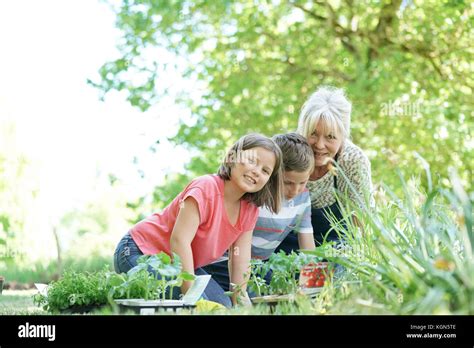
x=19, y=302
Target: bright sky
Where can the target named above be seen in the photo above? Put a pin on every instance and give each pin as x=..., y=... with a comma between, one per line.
x=48, y=50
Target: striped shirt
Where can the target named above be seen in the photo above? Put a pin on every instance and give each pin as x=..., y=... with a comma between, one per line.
x=271, y=229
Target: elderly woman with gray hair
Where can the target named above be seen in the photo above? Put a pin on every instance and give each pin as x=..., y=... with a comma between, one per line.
x=325, y=123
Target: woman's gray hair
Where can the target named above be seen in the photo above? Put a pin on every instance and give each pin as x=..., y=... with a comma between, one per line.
x=330, y=105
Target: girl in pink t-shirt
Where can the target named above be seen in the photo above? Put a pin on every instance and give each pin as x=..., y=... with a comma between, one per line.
x=213, y=214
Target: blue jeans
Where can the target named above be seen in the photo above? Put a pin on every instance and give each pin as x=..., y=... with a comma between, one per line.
x=125, y=258
x=220, y=272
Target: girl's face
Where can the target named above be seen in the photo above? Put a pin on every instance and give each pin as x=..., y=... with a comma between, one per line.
x=253, y=168
x=325, y=144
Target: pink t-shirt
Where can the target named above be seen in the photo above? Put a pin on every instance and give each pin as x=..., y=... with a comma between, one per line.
x=214, y=235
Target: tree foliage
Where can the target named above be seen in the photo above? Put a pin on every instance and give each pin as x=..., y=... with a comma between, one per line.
x=18, y=189
x=406, y=66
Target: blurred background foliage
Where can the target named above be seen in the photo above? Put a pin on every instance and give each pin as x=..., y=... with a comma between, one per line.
x=18, y=188
x=406, y=66
x=82, y=237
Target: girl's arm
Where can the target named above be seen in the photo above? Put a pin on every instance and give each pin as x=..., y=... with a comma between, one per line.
x=183, y=233
x=306, y=241
x=239, y=267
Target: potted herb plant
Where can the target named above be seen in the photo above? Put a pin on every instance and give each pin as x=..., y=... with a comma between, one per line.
x=83, y=292
x=139, y=277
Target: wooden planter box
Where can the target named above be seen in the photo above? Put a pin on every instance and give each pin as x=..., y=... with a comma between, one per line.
x=273, y=300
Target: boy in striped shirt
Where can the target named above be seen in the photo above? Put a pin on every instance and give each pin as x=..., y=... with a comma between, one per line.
x=295, y=214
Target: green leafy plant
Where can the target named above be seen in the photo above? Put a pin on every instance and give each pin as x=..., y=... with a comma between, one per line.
x=285, y=269
x=414, y=254
x=75, y=290
x=78, y=290
x=140, y=283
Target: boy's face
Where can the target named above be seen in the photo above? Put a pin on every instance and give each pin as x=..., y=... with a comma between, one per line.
x=294, y=182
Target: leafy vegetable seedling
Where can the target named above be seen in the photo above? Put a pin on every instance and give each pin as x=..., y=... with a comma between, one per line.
x=284, y=270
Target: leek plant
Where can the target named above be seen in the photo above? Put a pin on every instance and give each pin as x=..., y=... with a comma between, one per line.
x=407, y=255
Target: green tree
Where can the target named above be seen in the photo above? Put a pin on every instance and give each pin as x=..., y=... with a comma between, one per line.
x=406, y=66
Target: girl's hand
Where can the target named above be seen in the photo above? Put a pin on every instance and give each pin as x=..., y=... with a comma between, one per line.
x=186, y=286
x=243, y=299
x=240, y=297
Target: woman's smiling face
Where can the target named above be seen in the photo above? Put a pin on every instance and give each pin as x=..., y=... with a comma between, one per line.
x=325, y=143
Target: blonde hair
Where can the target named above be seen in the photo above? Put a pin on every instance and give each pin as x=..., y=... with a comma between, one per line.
x=271, y=194
x=329, y=105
